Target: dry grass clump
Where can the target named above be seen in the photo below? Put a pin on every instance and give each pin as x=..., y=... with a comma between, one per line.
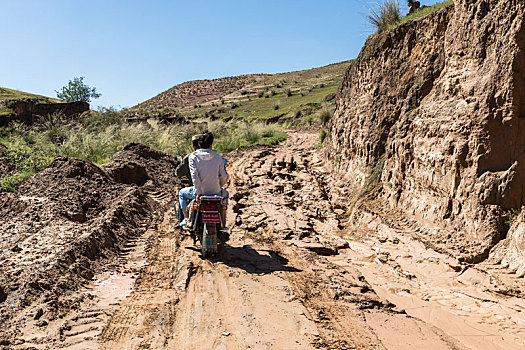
x=387, y=15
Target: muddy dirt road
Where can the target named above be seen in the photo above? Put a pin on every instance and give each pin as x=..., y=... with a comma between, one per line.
x=293, y=276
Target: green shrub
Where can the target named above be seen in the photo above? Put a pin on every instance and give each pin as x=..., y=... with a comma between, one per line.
x=23, y=158
x=232, y=135
x=388, y=14
x=324, y=116
x=288, y=92
x=511, y=215
x=102, y=118
x=24, y=161
x=10, y=183
x=322, y=136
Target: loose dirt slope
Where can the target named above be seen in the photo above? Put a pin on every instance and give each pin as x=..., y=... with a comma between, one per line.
x=66, y=224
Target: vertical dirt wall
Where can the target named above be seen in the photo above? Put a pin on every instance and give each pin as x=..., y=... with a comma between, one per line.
x=437, y=102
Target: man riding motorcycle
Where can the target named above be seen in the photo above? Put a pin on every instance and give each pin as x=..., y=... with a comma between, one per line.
x=207, y=173
x=183, y=172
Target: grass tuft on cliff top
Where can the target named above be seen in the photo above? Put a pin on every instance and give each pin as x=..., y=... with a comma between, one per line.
x=10, y=94
x=388, y=14
x=421, y=12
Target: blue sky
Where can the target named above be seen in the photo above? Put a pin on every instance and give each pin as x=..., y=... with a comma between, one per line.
x=132, y=50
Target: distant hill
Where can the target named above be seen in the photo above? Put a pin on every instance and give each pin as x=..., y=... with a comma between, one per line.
x=282, y=96
x=10, y=94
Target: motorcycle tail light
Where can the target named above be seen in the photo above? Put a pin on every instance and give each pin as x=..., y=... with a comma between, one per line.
x=209, y=206
x=224, y=207
x=196, y=207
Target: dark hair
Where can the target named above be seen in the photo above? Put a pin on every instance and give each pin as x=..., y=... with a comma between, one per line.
x=206, y=140
x=195, y=143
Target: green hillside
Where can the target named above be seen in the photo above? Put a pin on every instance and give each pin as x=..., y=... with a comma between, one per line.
x=9, y=94
x=300, y=97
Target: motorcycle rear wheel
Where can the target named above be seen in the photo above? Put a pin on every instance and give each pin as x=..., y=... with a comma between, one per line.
x=208, y=230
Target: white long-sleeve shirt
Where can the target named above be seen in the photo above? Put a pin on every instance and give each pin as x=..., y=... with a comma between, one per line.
x=207, y=171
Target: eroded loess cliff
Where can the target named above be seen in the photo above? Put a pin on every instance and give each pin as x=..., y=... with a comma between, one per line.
x=436, y=107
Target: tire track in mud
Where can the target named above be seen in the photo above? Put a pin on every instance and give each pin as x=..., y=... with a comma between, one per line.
x=183, y=302
x=82, y=325
x=284, y=203
x=143, y=318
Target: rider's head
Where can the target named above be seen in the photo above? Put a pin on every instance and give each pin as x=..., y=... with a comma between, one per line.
x=195, y=140
x=207, y=140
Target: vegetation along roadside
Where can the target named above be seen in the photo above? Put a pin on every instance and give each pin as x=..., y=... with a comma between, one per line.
x=99, y=134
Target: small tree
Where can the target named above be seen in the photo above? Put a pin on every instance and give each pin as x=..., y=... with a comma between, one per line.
x=76, y=91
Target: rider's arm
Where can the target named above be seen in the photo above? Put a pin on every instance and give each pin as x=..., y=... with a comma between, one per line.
x=194, y=173
x=223, y=175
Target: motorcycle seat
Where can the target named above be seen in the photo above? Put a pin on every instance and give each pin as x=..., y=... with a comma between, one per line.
x=211, y=198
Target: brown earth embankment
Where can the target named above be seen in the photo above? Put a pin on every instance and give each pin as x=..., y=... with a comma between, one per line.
x=432, y=113
x=29, y=111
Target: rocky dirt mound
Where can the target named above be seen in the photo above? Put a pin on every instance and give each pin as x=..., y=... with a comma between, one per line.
x=138, y=164
x=67, y=222
x=73, y=188
x=430, y=112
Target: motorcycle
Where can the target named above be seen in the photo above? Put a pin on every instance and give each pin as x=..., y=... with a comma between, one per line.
x=207, y=217
x=207, y=220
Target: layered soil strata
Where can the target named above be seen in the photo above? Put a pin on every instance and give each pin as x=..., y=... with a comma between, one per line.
x=430, y=112
x=35, y=110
